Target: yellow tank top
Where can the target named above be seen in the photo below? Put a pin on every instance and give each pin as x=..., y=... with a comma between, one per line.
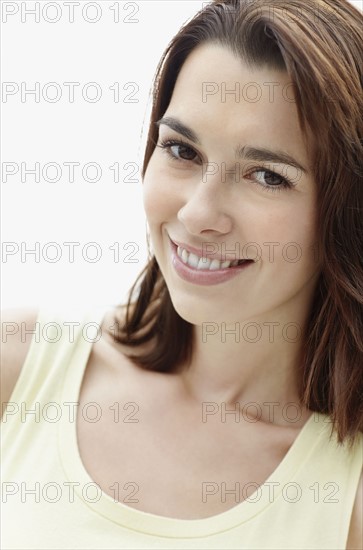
x=50, y=502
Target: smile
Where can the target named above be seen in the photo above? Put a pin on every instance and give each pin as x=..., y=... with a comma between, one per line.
x=201, y=263
x=204, y=271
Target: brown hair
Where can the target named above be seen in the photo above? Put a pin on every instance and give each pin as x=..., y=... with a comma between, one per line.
x=319, y=44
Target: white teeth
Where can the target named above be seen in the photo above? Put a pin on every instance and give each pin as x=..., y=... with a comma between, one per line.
x=203, y=263
x=193, y=260
x=216, y=264
x=185, y=256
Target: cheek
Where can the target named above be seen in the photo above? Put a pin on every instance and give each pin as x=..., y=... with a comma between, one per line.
x=294, y=220
x=297, y=238
x=151, y=204
x=153, y=201
x=273, y=224
x=303, y=226
x=285, y=235
x=160, y=198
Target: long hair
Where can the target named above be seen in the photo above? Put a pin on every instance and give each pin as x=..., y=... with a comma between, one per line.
x=319, y=44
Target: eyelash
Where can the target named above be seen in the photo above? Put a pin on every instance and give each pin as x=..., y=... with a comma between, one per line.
x=166, y=145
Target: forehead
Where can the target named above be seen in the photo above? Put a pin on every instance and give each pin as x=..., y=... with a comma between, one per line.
x=218, y=94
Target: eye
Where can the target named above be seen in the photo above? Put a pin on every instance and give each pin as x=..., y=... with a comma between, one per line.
x=181, y=152
x=271, y=178
x=270, y=181
x=178, y=150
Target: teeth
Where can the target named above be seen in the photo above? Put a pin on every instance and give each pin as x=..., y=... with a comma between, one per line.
x=184, y=256
x=216, y=264
x=203, y=263
x=193, y=260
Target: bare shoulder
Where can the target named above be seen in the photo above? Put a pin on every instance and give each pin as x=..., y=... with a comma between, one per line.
x=110, y=375
x=355, y=536
x=109, y=362
x=108, y=351
x=15, y=343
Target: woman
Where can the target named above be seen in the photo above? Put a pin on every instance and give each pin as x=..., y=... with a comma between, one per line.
x=222, y=408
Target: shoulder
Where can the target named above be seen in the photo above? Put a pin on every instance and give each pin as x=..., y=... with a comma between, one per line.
x=355, y=536
x=107, y=350
x=110, y=359
x=19, y=324
x=16, y=334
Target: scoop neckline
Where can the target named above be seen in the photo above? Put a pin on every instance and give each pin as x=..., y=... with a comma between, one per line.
x=147, y=522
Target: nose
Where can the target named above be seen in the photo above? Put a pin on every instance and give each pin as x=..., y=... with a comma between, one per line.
x=206, y=209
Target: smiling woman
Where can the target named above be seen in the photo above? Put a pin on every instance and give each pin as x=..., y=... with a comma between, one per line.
x=302, y=183
x=222, y=200
x=244, y=343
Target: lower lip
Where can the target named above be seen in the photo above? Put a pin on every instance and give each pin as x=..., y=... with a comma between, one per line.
x=204, y=277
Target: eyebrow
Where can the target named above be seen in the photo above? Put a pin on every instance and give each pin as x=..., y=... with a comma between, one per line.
x=243, y=152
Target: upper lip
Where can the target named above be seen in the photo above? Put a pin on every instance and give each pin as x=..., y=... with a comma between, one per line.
x=203, y=254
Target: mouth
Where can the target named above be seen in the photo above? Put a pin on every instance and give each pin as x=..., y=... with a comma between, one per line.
x=201, y=270
x=202, y=263
x=205, y=264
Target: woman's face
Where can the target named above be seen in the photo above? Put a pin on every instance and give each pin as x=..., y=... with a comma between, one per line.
x=238, y=187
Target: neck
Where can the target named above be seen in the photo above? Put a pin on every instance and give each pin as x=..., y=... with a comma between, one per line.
x=254, y=363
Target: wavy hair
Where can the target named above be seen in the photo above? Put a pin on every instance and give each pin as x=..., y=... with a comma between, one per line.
x=319, y=44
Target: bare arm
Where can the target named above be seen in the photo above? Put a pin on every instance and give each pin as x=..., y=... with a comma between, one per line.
x=355, y=537
x=14, y=347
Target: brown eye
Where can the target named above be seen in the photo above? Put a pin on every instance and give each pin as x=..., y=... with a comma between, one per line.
x=268, y=180
x=265, y=177
x=179, y=151
x=185, y=152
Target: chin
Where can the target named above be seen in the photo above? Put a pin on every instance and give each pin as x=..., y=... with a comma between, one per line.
x=187, y=310
x=197, y=312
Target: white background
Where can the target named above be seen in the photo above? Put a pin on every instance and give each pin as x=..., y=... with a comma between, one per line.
x=103, y=132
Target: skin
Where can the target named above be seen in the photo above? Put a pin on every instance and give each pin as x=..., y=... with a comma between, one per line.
x=180, y=201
